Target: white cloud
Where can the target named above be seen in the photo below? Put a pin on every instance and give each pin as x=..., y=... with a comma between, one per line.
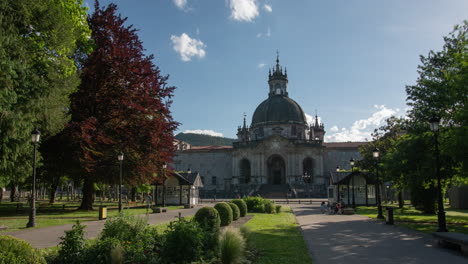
x=311, y=119
x=243, y=10
x=204, y=132
x=267, y=34
x=181, y=4
x=361, y=129
x=261, y=65
x=188, y=47
x=334, y=129
x=267, y=8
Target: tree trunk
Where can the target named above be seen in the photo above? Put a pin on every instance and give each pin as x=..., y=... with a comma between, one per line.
x=53, y=193
x=1, y=194
x=134, y=190
x=12, y=193
x=400, y=199
x=88, y=195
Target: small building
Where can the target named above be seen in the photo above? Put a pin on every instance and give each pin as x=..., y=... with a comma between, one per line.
x=179, y=189
x=344, y=184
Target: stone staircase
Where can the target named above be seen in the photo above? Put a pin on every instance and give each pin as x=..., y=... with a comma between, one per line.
x=271, y=191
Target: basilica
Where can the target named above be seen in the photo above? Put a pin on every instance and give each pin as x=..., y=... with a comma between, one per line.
x=279, y=155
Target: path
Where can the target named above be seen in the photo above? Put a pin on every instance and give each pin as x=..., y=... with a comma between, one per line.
x=356, y=239
x=50, y=236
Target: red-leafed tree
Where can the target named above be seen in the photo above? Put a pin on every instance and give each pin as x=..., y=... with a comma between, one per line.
x=122, y=105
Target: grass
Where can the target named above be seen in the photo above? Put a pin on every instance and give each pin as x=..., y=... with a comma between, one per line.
x=278, y=238
x=457, y=220
x=52, y=215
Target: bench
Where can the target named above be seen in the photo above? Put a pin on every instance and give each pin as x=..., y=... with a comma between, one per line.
x=159, y=210
x=347, y=211
x=453, y=240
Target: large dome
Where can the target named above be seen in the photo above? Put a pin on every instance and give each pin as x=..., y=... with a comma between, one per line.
x=278, y=109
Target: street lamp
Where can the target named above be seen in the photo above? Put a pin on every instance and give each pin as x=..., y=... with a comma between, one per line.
x=120, y=157
x=164, y=166
x=337, y=168
x=376, y=156
x=351, y=162
x=434, y=125
x=35, y=136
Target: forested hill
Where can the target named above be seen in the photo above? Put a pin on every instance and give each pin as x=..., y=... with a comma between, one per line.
x=198, y=140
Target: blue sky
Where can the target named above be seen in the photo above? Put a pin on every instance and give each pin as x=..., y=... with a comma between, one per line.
x=348, y=59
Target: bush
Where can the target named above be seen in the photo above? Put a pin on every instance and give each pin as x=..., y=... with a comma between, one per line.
x=72, y=245
x=423, y=199
x=124, y=228
x=278, y=209
x=235, y=211
x=100, y=251
x=14, y=250
x=225, y=213
x=232, y=246
x=252, y=202
x=242, y=206
x=208, y=218
x=259, y=208
x=270, y=208
x=183, y=242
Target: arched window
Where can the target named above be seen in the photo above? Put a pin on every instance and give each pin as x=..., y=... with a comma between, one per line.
x=244, y=171
x=308, y=169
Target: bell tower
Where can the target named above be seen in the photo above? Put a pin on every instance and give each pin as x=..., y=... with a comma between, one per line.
x=277, y=80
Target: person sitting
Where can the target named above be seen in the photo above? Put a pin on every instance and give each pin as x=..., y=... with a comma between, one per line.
x=338, y=208
x=323, y=207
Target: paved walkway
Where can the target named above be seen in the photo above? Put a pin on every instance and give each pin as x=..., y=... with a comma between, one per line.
x=50, y=236
x=357, y=239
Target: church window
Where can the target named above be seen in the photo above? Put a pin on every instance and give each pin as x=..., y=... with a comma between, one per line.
x=293, y=131
x=213, y=180
x=307, y=167
x=245, y=171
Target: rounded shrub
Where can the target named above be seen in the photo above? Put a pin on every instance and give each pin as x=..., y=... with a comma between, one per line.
x=208, y=218
x=183, y=242
x=270, y=208
x=259, y=208
x=14, y=250
x=278, y=209
x=235, y=211
x=242, y=206
x=225, y=213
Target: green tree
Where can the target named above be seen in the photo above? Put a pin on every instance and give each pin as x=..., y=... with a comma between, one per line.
x=41, y=43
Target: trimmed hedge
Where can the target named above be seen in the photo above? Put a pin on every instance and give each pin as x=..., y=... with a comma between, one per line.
x=278, y=209
x=208, y=218
x=235, y=211
x=14, y=250
x=242, y=206
x=270, y=208
x=225, y=213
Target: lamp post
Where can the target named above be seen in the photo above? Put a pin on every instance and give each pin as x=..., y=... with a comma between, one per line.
x=120, y=157
x=434, y=124
x=337, y=168
x=35, y=136
x=351, y=162
x=376, y=156
x=164, y=166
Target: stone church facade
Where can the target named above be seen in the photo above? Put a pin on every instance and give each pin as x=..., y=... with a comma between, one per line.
x=278, y=155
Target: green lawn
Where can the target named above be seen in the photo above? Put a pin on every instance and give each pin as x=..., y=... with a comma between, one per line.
x=51, y=215
x=278, y=238
x=457, y=220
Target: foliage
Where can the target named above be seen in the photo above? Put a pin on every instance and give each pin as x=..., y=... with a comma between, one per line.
x=278, y=209
x=41, y=42
x=204, y=140
x=270, y=208
x=232, y=245
x=235, y=211
x=255, y=202
x=124, y=228
x=225, y=213
x=72, y=245
x=208, y=218
x=121, y=105
x=14, y=250
x=183, y=242
x=423, y=199
x=242, y=206
x=258, y=208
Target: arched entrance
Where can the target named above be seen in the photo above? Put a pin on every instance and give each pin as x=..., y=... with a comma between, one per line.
x=276, y=170
x=308, y=169
x=244, y=171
